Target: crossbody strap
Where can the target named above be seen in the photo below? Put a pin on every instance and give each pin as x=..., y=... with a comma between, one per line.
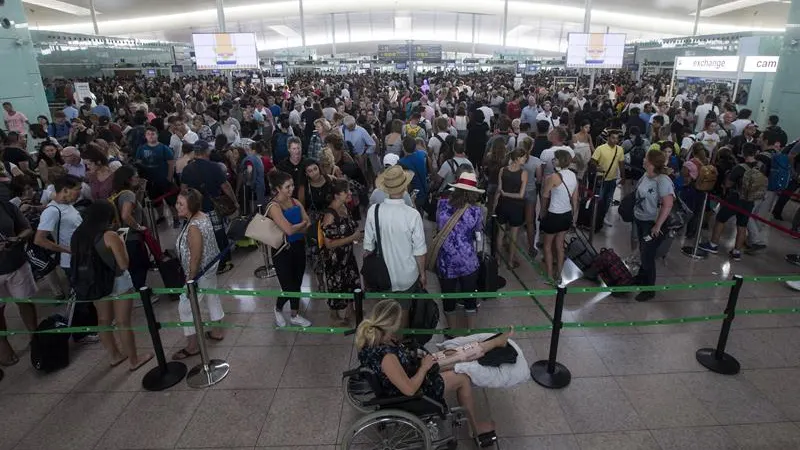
x=616, y=152
x=378, y=248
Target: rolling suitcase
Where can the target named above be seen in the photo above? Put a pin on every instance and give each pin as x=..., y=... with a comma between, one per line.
x=169, y=267
x=611, y=269
x=580, y=251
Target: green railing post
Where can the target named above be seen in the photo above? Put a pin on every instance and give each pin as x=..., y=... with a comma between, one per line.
x=715, y=359
x=550, y=373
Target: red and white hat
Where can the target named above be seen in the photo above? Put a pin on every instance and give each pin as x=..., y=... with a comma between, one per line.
x=468, y=182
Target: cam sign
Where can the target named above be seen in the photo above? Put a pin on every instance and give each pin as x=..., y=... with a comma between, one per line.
x=707, y=63
x=760, y=64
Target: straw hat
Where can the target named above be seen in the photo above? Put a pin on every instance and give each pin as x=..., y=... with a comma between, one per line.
x=394, y=180
x=468, y=182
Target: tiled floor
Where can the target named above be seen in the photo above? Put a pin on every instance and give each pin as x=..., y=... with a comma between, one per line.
x=633, y=388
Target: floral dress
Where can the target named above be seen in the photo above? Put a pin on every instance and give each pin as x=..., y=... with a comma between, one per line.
x=341, y=268
x=372, y=357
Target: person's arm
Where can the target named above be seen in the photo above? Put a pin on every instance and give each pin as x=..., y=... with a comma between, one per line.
x=591, y=144
x=391, y=367
x=420, y=249
x=370, y=143
x=170, y=170
x=114, y=242
x=195, y=241
x=621, y=165
x=228, y=190
x=274, y=212
x=369, y=232
x=127, y=217
x=48, y=223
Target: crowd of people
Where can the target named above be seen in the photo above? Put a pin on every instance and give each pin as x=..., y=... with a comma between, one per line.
x=365, y=159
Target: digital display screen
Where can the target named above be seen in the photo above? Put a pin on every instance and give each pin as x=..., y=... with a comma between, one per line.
x=401, y=66
x=225, y=51
x=595, y=50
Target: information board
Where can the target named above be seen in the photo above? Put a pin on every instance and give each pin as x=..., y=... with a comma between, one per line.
x=399, y=52
x=595, y=50
x=225, y=51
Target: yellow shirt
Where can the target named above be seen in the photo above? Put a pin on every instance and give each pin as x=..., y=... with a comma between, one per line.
x=657, y=146
x=606, y=162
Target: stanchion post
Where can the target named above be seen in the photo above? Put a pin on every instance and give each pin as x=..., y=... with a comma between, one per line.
x=715, y=359
x=695, y=252
x=492, y=235
x=358, y=300
x=165, y=375
x=550, y=373
x=210, y=371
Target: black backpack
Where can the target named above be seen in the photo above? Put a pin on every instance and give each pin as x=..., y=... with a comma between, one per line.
x=91, y=278
x=50, y=351
x=423, y=315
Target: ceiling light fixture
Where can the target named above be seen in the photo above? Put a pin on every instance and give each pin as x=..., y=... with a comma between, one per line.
x=283, y=30
x=61, y=6
x=732, y=6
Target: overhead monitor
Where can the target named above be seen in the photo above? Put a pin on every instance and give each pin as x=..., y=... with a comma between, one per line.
x=234, y=51
x=400, y=66
x=342, y=69
x=366, y=65
x=595, y=50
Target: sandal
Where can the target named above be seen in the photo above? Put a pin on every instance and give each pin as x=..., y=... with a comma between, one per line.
x=183, y=354
x=487, y=439
x=142, y=361
x=10, y=361
x=211, y=336
x=118, y=361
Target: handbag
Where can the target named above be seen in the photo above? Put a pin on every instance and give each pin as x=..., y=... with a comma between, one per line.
x=374, y=270
x=441, y=236
x=263, y=229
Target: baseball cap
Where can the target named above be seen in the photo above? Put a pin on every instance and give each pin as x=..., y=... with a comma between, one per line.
x=390, y=159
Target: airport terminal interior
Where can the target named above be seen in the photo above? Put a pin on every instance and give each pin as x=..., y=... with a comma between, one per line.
x=397, y=225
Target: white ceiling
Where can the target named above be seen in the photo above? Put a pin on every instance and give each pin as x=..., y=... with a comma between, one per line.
x=533, y=25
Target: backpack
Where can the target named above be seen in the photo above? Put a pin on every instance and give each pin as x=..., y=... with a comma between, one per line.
x=280, y=146
x=423, y=315
x=637, y=156
x=706, y=176
x=117, y=212
x=91, y=278
x=753, y=185
x=412, y=131
x=50, y=351
x=447, y=147
x=780, y=173
x=136, y=138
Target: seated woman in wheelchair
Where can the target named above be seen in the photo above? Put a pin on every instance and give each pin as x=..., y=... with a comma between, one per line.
x=401, y=371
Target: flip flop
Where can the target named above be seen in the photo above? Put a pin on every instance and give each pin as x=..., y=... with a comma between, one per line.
x=209, y=335
x=183, y=354
x=10, y=361
x=119, y=361
x=141, y=362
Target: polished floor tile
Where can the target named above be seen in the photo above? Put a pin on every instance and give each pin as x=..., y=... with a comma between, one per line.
x=229, y=417
x=302, y=417
x=597, y=404
x=21, y=412
x=620, y=440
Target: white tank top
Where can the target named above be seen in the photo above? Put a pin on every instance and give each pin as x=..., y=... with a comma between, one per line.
x=560, y=195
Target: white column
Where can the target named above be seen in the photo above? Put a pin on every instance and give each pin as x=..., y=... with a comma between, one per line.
x=473, y=34
x=94, y=17
x=302, y=24
x=587, y=16
x=333, y=34
x=221, y=16
x=505, y=23
x=697, y=17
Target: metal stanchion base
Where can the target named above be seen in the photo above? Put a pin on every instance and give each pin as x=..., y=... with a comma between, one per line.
x=2, y=374
x=158, y=380
x=689, y=251
x=727, y=365
x=263, y=272
x=501, y=282
x=560, y=377
x=199, y=377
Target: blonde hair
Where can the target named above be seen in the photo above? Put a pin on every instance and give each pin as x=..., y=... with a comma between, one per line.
x=323, y=122
x=384, y=320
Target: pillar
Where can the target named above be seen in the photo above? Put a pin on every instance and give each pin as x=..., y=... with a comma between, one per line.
x=22, y=83
x=302, y=25
x=221, y=16
x=94, y=18
x=697, y=17
x=785, y=94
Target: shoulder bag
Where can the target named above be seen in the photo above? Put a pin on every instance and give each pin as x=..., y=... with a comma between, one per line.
x=263, y=229
x=374, y=270
x=441, y=236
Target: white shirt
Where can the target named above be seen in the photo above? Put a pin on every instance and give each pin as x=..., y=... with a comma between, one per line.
x=548, y=116
x=345, y=93
x=548, y=155
x=560, y=196
x=402, y=239
x=487, y=114
x=294, y=117
x=435, y=145
x=63, y=229
x=738, y=126
x=700, y=115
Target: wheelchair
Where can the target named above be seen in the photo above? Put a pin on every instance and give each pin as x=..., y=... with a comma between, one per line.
x=405, y=422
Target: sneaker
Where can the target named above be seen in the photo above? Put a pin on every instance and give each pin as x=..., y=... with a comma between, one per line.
x=225, y=268
x=735, y=255
x=645, y=296
x=279, y=319
x=709, y=247
x=299, y=321
x=755, y=248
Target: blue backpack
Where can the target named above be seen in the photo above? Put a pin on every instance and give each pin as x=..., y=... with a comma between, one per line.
x=281, y=147
x=780, y=173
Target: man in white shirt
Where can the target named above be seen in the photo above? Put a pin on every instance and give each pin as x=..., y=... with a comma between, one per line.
x=294, y=116
x=742, y=120
x=547, y=115
x=345, y=92
x=402, y=235
x=558, y=136
x=437, y=140
x=487, y=115
x=180, y=134
x=702, y=111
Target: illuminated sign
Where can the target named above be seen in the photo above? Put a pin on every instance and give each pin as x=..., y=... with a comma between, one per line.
x=707, y=63
x=760, y=64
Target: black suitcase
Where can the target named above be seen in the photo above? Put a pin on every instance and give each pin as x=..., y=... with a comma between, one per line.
x=171, y=272
x=488, y=278
x=50, y=351
x=580, y=251
x=585, y=208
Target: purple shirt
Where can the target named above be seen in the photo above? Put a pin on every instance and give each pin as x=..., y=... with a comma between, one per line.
x=458, y=256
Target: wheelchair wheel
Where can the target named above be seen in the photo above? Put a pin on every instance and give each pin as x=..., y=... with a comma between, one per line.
x=357, y=390
x=390, y=429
